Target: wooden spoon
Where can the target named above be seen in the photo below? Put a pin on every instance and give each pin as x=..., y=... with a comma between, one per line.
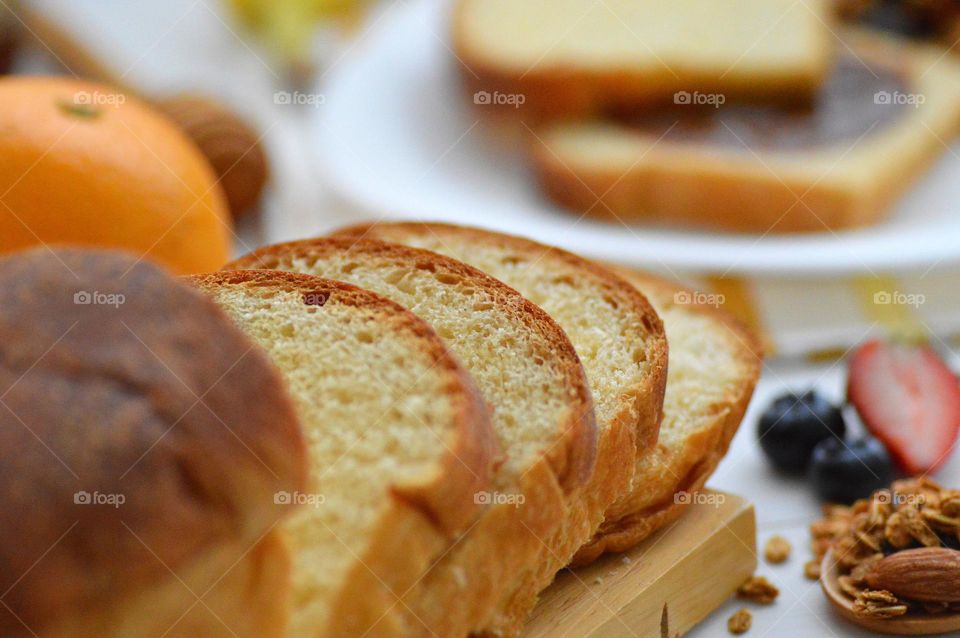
x=911, y=624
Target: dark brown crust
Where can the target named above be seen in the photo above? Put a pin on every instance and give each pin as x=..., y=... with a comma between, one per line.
x=574, y=455
x=632, y=431
x=556, y=93
x=155, y=396
x=447, y=500
x=703, y=451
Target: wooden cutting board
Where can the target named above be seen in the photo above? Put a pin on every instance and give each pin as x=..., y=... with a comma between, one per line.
x=691, y=568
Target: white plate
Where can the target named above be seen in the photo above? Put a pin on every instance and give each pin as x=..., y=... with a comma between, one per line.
x=395, y=138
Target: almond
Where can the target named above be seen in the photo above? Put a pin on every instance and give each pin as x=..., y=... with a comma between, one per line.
x=928, y=574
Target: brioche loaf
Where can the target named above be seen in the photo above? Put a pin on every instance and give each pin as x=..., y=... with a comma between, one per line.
x=399, y=443
x=621, y=343
x=714, y=366
x=549, y=59
x=886, y=112
x=143, y=439
x=543, y=417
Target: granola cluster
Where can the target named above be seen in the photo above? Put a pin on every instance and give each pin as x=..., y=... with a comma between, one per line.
x=777, y=550
x=759, y=590
x=912, y=513
x=740, y=622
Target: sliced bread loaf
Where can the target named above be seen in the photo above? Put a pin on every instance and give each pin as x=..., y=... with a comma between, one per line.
x=529, y=374
x=878, y=122
x=714, y=366
x=142, y=440
x=569, y=58
x=399, y=444
x=621, y=343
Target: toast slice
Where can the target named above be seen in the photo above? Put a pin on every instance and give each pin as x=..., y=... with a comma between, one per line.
x=549, y=59
x=621, y=343
x=714, y=366
x=399, y=443
x=530, y=375
x=887, y=111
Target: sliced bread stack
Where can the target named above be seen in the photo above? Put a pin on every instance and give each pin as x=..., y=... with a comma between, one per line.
x=620, y=341
x=715, y=363
x=576, y=477
x=542, y=414
x=398, y=438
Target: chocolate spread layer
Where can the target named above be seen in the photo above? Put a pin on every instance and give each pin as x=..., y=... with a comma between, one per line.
x=854, y=99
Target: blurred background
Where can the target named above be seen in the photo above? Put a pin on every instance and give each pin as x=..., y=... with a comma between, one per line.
x=321, y=112
x=808, y=184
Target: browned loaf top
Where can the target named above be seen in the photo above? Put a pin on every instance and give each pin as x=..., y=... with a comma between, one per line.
x=140, y=431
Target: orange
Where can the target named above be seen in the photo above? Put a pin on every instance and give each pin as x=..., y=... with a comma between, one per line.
x=83, y=164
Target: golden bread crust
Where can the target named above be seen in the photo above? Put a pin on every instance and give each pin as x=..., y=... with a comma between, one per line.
x=446, y=499
x=459, y=591
x=652, y=503
x=629, y=434
x=419, y=519
x=573, y=461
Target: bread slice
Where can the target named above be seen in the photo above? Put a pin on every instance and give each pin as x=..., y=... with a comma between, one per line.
x=621, y=343
x=885, y=115
x=399, y=444
x=543, y=417
x=549, y=59
x=714, y=366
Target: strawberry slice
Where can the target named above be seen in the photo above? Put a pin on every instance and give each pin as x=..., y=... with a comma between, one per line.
x=909, y=399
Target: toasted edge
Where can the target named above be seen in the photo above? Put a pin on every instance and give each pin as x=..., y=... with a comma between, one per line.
x=631, y=431
x=703, y=451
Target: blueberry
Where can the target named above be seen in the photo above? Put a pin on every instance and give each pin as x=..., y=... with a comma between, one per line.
x=843, y=472
x=793, y=425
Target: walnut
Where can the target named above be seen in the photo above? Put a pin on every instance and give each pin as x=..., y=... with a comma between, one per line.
x=811, y=569
x=231, y=145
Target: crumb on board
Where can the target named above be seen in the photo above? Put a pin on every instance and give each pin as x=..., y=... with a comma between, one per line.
x=740, y=622
x=777, y=550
